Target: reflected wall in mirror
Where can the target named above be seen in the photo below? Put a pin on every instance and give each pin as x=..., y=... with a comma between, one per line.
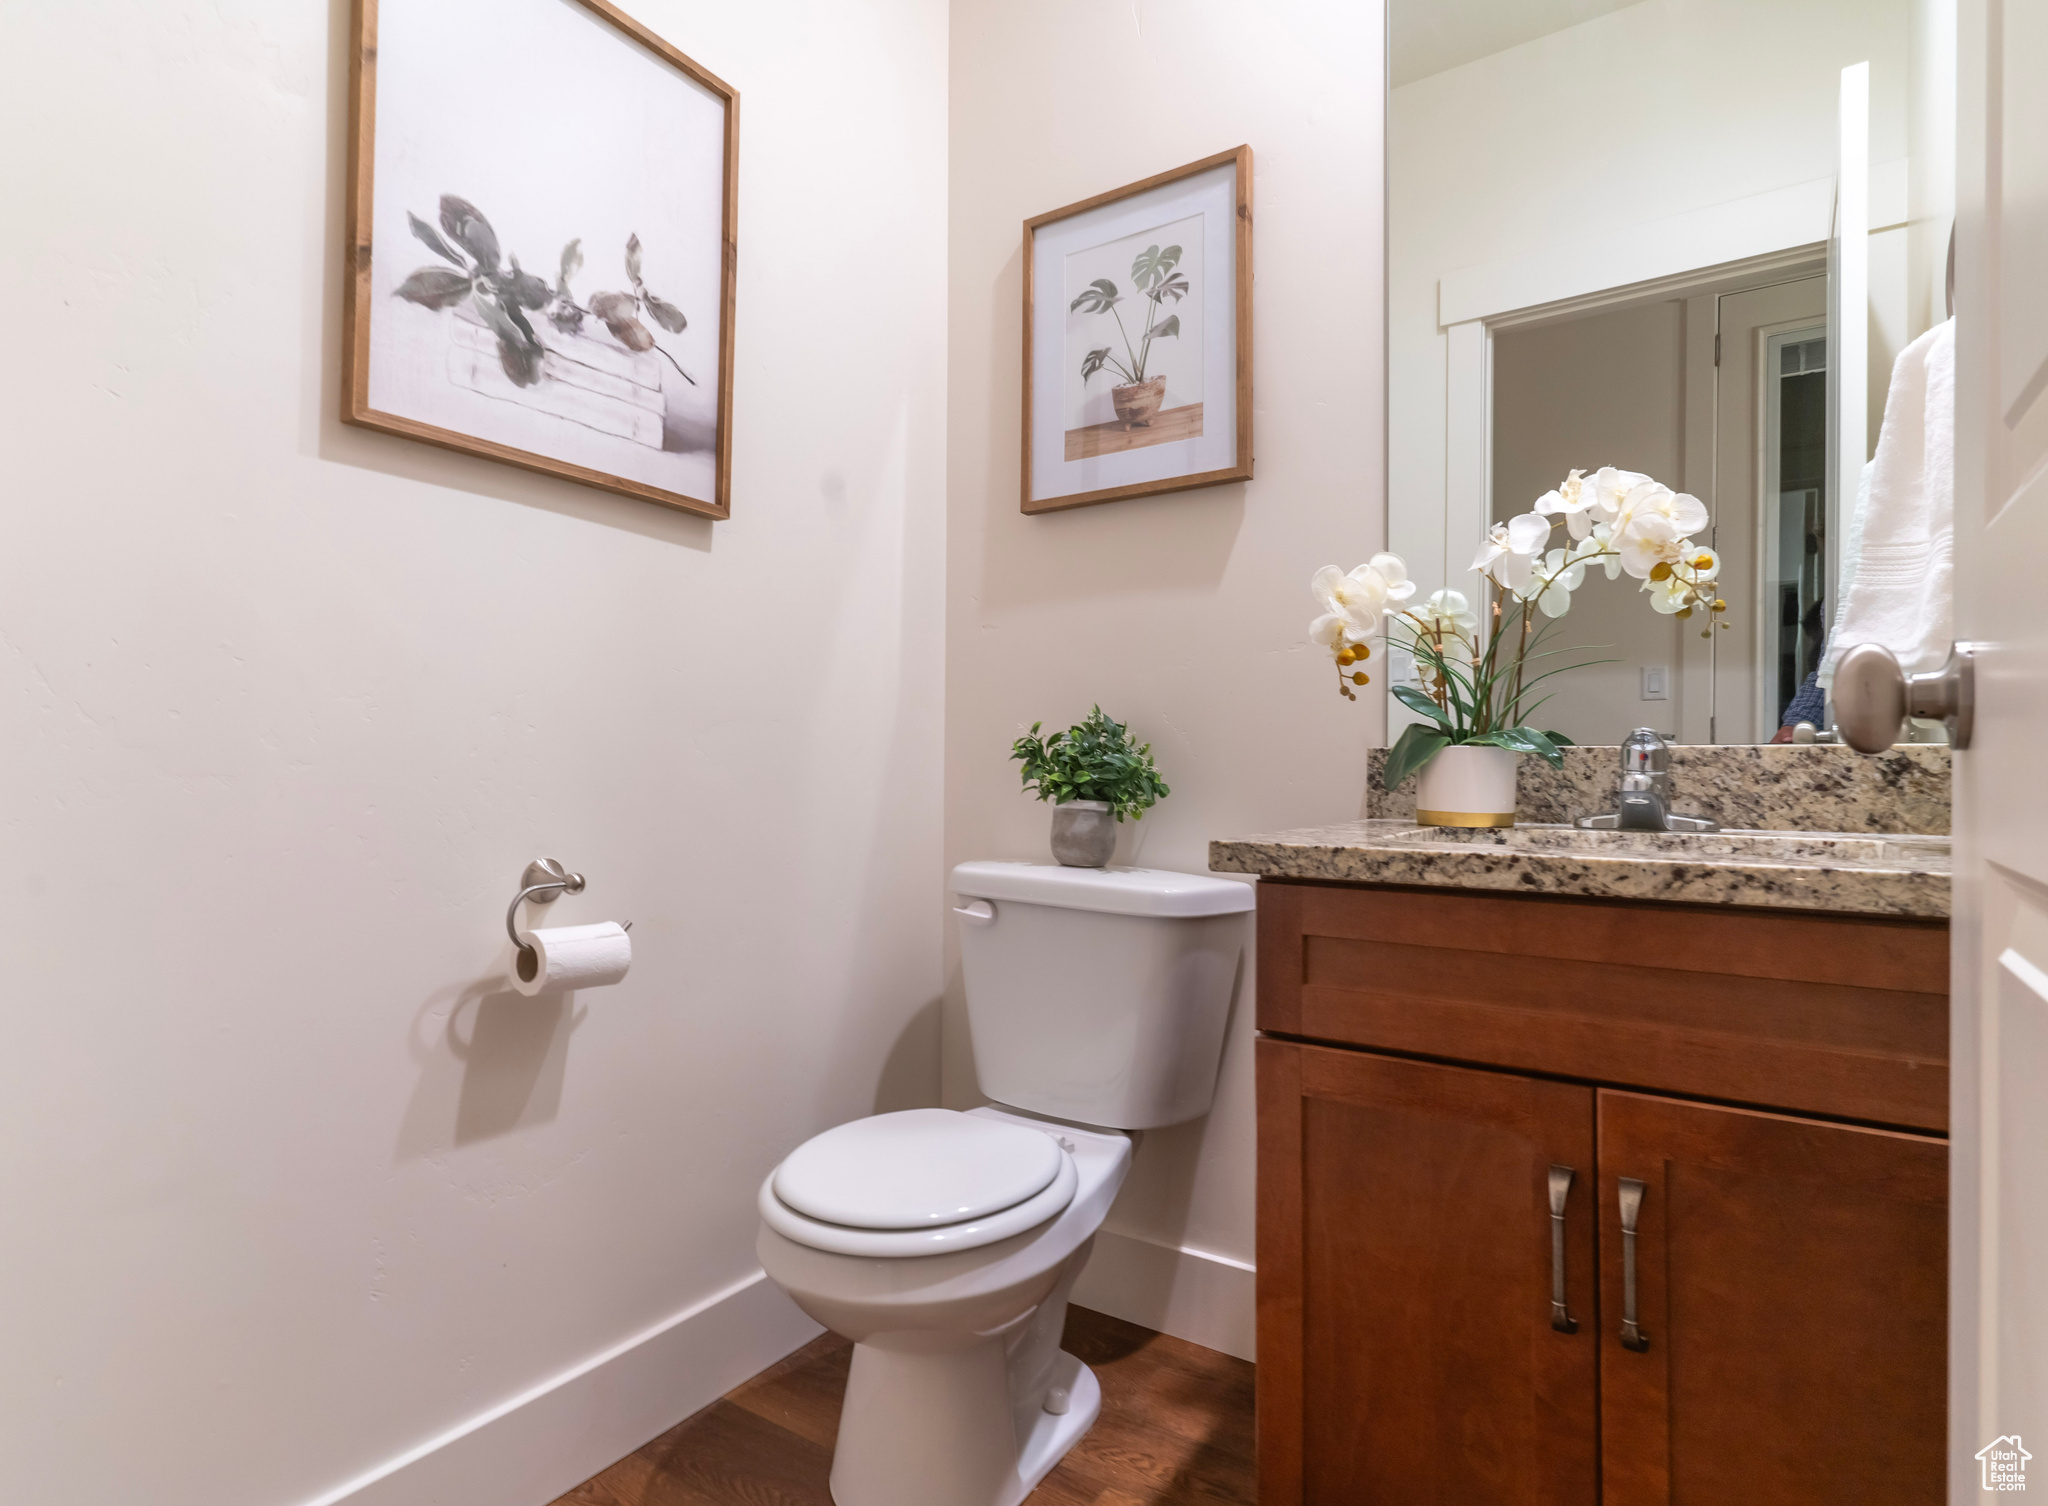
x=1616, y=237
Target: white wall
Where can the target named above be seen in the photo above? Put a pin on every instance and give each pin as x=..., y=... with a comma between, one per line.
x=292, y=1184
x=1654, y=112
x=1931, y=129
x=1183, y=614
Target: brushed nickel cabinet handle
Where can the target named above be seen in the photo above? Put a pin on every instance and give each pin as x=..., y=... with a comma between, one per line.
x=1632, y=1335
x=1561, y=1318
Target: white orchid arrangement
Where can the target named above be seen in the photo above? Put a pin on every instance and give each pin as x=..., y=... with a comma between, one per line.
x=1474, y=689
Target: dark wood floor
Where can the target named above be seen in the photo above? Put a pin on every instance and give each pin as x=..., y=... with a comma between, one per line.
x=1176, y=1427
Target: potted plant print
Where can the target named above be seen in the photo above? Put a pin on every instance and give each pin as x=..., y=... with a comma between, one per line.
x=1156, y=281
x=1095, y=774
x=1478, y=676
x=500, y=297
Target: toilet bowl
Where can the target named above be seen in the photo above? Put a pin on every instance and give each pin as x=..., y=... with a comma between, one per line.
x=946, y=1244
x=959, y=1394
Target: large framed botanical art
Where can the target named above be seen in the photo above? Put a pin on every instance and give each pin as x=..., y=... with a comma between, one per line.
x=1138, y=338
x=542, y=196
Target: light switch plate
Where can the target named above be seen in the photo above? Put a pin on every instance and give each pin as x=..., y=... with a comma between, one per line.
x=1656, y=682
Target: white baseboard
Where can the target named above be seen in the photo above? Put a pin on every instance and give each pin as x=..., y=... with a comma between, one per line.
x=557, y=1434
x=1194, y=1295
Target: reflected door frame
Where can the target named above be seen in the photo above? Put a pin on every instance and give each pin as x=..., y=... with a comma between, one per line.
x=1771, y=493
x=1746, y=319
x=1440, y=549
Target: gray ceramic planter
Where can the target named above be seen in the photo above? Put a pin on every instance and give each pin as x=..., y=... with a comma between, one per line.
x=1083, y=833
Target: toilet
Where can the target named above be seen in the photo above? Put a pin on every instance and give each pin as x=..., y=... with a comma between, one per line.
x=946, y=1244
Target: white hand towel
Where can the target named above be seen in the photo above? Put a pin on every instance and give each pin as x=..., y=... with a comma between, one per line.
x=1898, y=567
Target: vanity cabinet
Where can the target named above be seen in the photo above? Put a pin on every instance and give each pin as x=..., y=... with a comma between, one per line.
x=1454, y=1091
x=1791, y=1290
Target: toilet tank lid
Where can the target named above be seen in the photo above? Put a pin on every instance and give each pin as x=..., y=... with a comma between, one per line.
x=1117, y=891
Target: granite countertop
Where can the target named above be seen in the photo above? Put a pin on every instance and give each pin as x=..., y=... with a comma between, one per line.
x=1860, y=873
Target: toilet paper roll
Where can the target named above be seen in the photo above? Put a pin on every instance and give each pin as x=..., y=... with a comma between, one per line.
x=559, y=957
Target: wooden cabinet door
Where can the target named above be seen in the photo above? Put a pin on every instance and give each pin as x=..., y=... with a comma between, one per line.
x=1791, y=1285
x=1406, y=1348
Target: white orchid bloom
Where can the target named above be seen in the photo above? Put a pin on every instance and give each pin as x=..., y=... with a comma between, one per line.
x=1393, y=570
x=1648, y=542
x=1655, y=527
x=1333, y=631
x=1447, y=613
x=1652, y=498
x=1667, y=595
x=1351, y=605
x=1561, y=575
x=1508, y=555
x=1601, y=541
x=1574, y=501
x=1605, y=490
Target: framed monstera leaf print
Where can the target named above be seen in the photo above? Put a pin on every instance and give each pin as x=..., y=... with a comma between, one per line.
x=1138, y=338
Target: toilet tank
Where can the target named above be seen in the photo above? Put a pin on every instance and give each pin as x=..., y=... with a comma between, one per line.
x=1099, y=995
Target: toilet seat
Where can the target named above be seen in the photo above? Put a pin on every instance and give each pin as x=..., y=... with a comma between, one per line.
x=916, y=1169
x=920, y=1182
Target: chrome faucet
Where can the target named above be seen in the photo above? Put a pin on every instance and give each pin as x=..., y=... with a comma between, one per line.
x=1644, y=800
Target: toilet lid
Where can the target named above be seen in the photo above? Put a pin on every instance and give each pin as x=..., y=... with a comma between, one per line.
x=917, y=1169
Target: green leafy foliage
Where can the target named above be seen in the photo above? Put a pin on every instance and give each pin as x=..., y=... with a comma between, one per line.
x=468, y=228
x=1520, y=740
x=1095, y=760
x=1422, y=705
x=1099, y=297
x=1152, y=271
x=525, y=290
x=502, y=298
x=1414, y=748
x=1152, y=265
x=435, y=287
x=432, y=240
x=1477, y=695
x=666, y=314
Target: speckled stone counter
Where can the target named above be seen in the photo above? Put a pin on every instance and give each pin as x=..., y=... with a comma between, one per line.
x=1786, y=787
x=1900, y=875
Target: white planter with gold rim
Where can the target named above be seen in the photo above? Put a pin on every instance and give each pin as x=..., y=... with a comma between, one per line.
x=1467, y=787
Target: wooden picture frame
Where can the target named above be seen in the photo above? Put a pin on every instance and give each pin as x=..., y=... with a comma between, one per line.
x=1086, y=438
x=575, y=130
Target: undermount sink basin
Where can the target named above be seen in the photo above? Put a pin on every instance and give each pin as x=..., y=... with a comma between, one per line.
x=1844, y=849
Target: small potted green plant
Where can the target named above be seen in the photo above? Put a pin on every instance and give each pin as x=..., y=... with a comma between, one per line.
x=1153, y=270
x=1095, y=774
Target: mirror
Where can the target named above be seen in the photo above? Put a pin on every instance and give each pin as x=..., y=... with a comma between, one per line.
x=1689, y=239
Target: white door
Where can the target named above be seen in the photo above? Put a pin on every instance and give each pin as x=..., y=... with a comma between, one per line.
x=1999, y=1229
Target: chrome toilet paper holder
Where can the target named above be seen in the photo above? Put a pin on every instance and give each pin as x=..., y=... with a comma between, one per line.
x=544, y=881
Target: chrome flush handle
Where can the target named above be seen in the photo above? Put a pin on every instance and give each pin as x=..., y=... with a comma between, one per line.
x=1561, y=1318
x=1632, y=1335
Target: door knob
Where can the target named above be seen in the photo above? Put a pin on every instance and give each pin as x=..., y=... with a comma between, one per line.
x=1873, y=696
